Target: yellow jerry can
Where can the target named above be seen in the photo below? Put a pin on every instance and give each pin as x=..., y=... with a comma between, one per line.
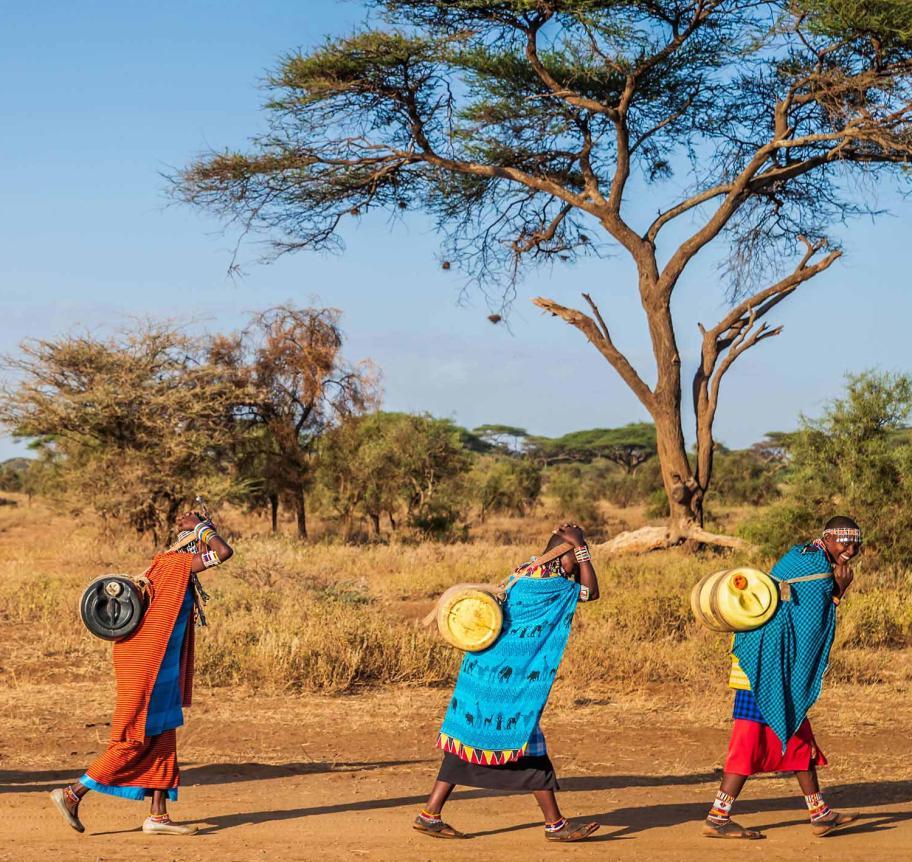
x=469, y=616
x=734, y=600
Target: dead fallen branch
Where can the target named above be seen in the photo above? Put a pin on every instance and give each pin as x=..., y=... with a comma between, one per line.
x=647, y=539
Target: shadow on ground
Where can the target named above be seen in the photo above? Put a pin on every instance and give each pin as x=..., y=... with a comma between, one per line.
x=629, y=821
x=34, y=781
x=625, y=821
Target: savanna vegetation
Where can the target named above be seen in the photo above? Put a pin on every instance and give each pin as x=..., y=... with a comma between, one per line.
x=401, y=506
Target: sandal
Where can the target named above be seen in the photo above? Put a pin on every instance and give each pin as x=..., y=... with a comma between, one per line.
x=730, y=829
x=832, y=823
x=72, y=818
x=572, y=832
x=437, y=829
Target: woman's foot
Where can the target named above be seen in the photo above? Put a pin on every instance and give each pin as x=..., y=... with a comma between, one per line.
x=162, y=824
x=436, y=828
x=833, y=821
x=729, y=829
x=571, y=831
x=67, y=803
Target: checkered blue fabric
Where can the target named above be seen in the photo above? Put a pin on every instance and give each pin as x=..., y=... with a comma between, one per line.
x=537, y=746
x=785, y=659
x=746, y=708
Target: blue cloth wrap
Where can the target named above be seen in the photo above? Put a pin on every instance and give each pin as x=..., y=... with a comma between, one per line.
x=786, y=658
x=165, y=703
x=137, y=794
x=501, y=691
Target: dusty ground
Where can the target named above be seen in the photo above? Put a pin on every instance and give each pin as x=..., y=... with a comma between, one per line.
x=328, y=779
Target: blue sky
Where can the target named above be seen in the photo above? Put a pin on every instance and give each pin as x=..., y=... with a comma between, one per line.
x=100, y=98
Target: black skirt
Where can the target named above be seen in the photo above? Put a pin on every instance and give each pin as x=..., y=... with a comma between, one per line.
x=527, y=773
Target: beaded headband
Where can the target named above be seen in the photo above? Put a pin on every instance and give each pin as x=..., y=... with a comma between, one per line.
x=844, y=534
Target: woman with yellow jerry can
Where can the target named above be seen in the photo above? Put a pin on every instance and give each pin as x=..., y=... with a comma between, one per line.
x=784, y=626
x=514, y=637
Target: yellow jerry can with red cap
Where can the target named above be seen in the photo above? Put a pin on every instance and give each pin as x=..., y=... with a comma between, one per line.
x=735, y=600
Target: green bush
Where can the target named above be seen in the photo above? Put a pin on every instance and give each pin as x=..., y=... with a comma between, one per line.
x=856, y=460
x=505, y=484
x=742, y=477
x=576, y=490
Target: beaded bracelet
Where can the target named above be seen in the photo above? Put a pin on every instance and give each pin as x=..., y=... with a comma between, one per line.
x=204, y=531
x=210, y=559
x=582, y=554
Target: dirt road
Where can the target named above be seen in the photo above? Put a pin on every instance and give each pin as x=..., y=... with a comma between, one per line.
x=303, y=778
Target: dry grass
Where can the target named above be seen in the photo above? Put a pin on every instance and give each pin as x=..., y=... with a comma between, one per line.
x=292, y=617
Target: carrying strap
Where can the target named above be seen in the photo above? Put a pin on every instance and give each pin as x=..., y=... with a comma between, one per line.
x=182, y=543
x=785, y=585
x=553, y=554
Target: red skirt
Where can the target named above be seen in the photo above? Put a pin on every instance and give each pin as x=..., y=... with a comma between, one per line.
x=755, y=748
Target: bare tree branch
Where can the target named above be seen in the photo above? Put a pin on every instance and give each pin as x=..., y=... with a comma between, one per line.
x=778, y=291
x=603, y=343
x=736, y=333
x=546, y=234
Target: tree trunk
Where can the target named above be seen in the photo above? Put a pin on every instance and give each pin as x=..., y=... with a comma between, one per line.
x=274, y=512
x=685, y=498
x=375, y=521
x=300, y=512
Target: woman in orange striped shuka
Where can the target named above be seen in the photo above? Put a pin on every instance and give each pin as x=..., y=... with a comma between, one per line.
x=154, y=672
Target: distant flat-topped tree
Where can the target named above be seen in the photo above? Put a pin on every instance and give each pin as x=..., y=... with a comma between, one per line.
x=628, y=447
x=506, y=438
x=524, y=126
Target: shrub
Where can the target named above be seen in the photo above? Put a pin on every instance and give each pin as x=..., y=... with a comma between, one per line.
x=855, y=460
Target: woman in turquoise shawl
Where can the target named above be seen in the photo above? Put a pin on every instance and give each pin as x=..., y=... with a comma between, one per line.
x=777, y=674
x=490, y=735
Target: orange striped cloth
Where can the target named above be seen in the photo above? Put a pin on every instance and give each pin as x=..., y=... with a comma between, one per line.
x=132, y=759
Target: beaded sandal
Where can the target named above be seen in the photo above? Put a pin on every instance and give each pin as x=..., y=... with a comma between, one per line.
x=833, y=822
x=572, y=832
x=436, y=829
x=59, y=798
x=730, y=829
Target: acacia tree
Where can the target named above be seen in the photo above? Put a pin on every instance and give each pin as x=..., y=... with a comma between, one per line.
x=524, y=126
x=387, y=463
x=291, y=379
x=628, y=447
x=131, y=427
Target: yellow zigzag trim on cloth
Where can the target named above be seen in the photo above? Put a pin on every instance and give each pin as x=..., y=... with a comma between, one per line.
x=484, y=757
x=737, y=679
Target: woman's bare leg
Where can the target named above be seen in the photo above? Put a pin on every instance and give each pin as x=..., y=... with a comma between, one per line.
x=439, y=794
x=807, y=781
x=547, y=801
x=732, y=784
x=159, y=802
